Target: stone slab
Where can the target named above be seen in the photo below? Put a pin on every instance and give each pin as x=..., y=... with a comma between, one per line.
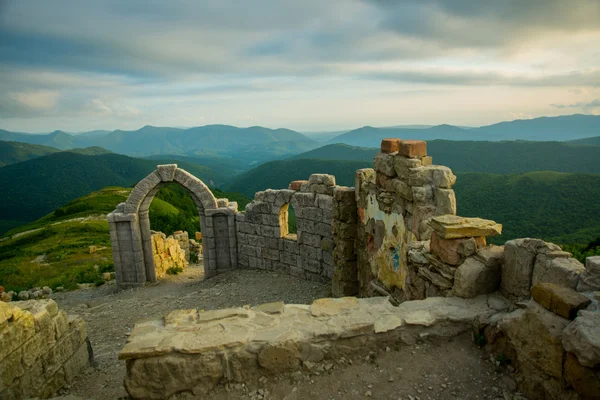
x=455, y=227
x=559, y=299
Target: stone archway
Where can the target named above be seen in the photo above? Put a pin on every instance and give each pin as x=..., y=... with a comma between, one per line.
x=130, y=228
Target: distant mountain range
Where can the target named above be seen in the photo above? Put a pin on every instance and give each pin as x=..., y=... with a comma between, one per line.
x=495, y=157
x=563, y=128
x=258, y=144
x=255, y=144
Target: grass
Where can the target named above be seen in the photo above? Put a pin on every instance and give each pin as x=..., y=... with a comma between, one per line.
x=66, y=248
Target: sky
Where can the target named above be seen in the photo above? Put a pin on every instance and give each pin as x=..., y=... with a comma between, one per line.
x=310, y=65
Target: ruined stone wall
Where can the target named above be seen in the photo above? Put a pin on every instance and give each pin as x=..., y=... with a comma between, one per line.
x=396, y=201
x=41, y=349
x=167, y=253
x=262, y=230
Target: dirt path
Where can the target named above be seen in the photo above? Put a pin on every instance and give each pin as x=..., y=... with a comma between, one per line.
x=450, y=370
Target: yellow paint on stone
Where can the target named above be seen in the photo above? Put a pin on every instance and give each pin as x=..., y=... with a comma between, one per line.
x=389, y=261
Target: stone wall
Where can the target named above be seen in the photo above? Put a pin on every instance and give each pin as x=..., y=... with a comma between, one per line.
x=167, y=253
x=345, y=273
x=553, y=338
x=184, y=242
x=41, y=349
x=262, y=230
x=396, y=201
x=192, y=351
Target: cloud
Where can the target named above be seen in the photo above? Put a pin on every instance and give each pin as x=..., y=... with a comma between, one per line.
x=586, y=106
x=118, y=61
x=475, y=23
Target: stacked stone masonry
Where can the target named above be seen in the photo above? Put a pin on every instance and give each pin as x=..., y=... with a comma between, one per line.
x=41, y=349
x=167, y=253
x=199, y=349
x=262, y=230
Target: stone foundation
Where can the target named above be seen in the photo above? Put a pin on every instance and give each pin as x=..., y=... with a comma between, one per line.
x=41, y=349
x=192, y=351
x=167, y=253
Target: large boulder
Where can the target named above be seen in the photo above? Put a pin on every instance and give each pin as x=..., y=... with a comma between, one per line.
x=582, y=338
x=589, y=279
x=474, y=277
x=519, y=260
x=537, y=335
x=558, y=270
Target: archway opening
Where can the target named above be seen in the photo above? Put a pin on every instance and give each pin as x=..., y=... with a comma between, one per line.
x=173, y=209
x=287, y=221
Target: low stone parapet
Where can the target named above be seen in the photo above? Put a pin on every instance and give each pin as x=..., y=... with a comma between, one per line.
x=192, y=351
x=41, y=349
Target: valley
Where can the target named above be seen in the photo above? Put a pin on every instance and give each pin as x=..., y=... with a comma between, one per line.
x=535, y=188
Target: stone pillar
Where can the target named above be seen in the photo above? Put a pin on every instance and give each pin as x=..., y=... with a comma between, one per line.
x=128, y=255
x=345, y=273
x=147, y=246
x=222, y=244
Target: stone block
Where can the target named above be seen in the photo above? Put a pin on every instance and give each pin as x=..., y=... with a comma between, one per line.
x=427, y=160
x=435, y=278
x=289, y=258
x=455, y=227
x=445, y=201
x=537, y=335
x=310, y=265
x=585, y=381
x=312, y=213
x=413, y=148
x=422, y=195
x=322, y=179
x=270, y=254
x=20, y=328
x=296, y=185
x=561, y=271
x=589, y=280
x=402, y=189
x=560, y=300
x=323, y=229
x=322, y=189
x=384, y=163
x=582, y=338
x=324, y=201
x=78, y=362
x=390, y=145
x=403, y=166
x=326, y=244
x=10, y=369
x=304, y=199
x=519, y=259
x=474, y=277
x=447, y=249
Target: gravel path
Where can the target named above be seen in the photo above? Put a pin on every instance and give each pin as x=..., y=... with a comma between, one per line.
x=451, y=370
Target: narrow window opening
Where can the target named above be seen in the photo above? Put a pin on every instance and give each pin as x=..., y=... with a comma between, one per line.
x=287, y=222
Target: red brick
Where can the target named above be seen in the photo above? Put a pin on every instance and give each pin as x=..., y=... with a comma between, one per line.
x=413, y=148
x=295, y=185
x=390, y=145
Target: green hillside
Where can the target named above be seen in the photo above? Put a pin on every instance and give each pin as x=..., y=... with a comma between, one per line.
x=550, y=205
x=62, y=239
x=561, y=206
x=33, y=188
x=494, y=157
x=14, y=152
x=591, y=140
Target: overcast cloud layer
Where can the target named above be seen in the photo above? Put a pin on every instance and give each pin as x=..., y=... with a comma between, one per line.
x=81, y=65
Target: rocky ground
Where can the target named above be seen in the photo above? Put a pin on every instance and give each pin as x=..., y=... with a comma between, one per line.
x=455, y=369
